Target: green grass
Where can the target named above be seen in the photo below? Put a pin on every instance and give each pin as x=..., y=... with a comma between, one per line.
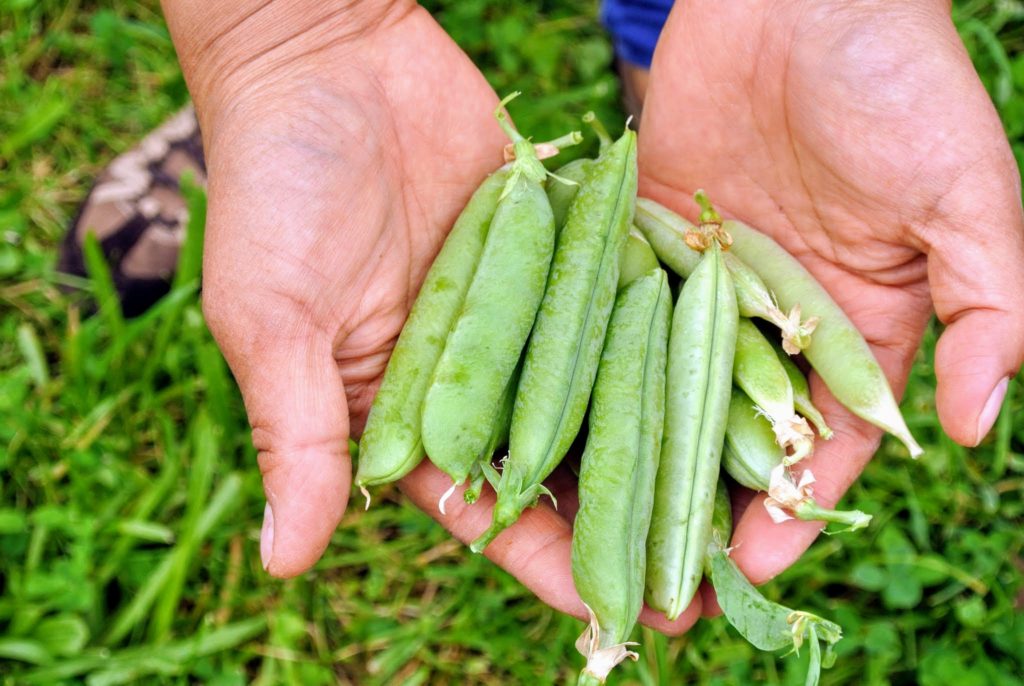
x=130, y=505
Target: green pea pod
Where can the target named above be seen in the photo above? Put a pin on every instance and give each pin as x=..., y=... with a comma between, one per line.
x=802, y=395
x=483, y=349
x=838, y=352
x=561, y=193
x=750, y=452
x=666, y=232
x=755, y=460
x=564, y=348
x=617, y=472
x=499, y=439
x=637, y=259
x=391, y=445
x=567, y=179
x=766, y=625
x=701, y=349
x=721, y=516
x=760, y=374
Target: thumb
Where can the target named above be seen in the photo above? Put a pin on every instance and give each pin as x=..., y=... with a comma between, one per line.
x=976, y=272
x=299, y=416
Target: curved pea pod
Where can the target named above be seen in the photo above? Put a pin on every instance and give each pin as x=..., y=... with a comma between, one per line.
x=484, y=346
x=617, y=472
x=802, y=395
x=564, y=348
x=702, y=344
x=758, y=371
x=666, y=231
x=637, y=258
x=764, y=624
x=753, y=458
x=838, y=352
x=391, y=445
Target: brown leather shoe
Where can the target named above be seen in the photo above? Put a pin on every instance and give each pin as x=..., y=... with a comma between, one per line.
x=137, y=212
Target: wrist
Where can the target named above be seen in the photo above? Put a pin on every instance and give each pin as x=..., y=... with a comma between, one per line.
x=223, y=45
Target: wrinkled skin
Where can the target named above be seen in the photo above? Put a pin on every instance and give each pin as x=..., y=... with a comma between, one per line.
x=342, y=145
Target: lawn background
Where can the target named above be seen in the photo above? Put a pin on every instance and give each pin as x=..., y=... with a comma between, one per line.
x=130, y=505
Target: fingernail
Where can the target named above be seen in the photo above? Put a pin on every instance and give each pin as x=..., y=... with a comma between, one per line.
x=267, y=537
x=991, y=412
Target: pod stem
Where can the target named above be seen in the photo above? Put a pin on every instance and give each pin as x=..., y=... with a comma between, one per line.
x=708, y=213
x=484, y=539
x=788, y=498
x=602, y=133
x=852, y=520
x=503, y=121
x=547, y=148
x=709, y=229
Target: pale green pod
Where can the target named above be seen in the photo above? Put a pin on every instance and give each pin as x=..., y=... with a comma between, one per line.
x=665, y=230
x=563, y=186
x=565, y=346
x=802, y=395
x=637, y=258
x=753, y=458
x=391, y=445
x=702, y=344
x=758, y=371
x=838, y=351
x=751, y=452
x=618, y=469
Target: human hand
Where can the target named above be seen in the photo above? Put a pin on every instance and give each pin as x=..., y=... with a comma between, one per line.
x=339, y=156
x=859, y=137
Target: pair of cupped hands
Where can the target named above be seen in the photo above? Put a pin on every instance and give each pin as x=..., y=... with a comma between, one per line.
x=343, y=142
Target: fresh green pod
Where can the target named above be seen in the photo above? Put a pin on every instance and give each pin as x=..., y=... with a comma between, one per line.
x=758, y=371
x=637, y=258
x=567, y=179
x=838, y=351
x=391, y=445
x=564, y=348
x=766, y=625
x=721, y=515
x=802, y=395
x=618, y=469
x=701, y=349
x=753, y=458
x=563, y=185
x=499, y=439
x=666, y=232
x=484, y=346
x=751, y=452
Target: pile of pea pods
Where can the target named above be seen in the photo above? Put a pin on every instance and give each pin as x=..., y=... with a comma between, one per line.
x=617, y=311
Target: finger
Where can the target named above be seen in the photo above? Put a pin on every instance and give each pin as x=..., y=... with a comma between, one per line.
x=536, y=550
x=298, y=412
x=709, y=601
x=977, y=284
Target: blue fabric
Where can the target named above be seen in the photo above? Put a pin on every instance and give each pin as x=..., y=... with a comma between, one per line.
x=635, y=26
